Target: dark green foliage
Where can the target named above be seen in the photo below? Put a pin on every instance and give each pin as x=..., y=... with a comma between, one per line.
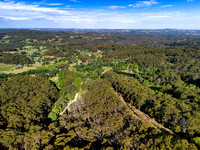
x=181, y=116
x=156, y=74
x=25, y=104
x=100, y=120
x=14, y=59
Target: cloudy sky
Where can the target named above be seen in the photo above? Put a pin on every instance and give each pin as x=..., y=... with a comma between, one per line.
x=107, y=14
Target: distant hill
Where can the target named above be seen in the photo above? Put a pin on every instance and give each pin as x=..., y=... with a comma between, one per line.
x=125, y=31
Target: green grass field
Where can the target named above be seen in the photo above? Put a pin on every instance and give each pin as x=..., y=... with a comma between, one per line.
x=55, y=80
x=21, y=70
x=5, y=67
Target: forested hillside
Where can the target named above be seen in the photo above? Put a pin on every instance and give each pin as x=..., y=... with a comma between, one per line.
x=99, y=90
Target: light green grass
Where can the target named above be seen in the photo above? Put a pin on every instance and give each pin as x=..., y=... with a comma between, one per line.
x=28, y=47
x=42, y=52
x=55, y=80
x=50, y=67
x=42, y=67
x=30, y=52
x=5, y=67
x=21, y=70
x=106, y=69
x=55, y=65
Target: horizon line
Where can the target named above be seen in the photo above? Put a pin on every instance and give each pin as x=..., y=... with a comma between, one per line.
x=103, y=28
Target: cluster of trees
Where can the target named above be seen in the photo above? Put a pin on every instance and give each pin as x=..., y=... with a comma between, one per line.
x=180, y=114
x=18, y=38
x=66, y=81
x=40, y=72
x=155, y=56
x=67, y=44
x=92, y=70
x=101, y=120
x=25, y=104
x=15, y=58
x=10, y=47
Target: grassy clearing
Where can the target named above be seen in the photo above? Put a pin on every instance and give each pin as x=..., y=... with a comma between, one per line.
x=30, y=52
x=21, y=70
x=106, y=69
x=36, y=65
x=4, y=67
x=55, y=65
x=55, y=80
x=41, y=67
x=50, y=67
x=42, y=52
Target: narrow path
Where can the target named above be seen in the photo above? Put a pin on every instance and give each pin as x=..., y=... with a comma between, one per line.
x=70, y=102
x=144, y=117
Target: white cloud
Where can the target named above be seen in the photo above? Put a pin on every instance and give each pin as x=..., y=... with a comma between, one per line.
x=31, y=11
x=164, y=6
x=75, y=1
x=143, y=3
x=158, y=17
x=25, y=7
x=161, y=14
x=40, y=16
x=13, y=18
x=115, y=7
x=55, y=4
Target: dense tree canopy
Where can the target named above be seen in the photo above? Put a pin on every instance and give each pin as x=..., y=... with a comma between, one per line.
x=137, y=89
x=25, y=104
x=102, y=120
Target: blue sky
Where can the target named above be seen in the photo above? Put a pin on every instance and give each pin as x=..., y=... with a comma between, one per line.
x=101, y=14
